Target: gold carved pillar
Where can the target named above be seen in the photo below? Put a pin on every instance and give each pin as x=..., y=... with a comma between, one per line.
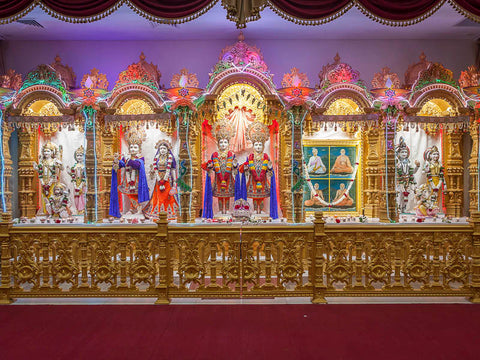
x=105, y=143
x=453, y=173
x=293, y=168
x=372, y=179
x=92, y=213
x=475, y=282
x=27, y=192
x=5, y=264
x=189, y=177
x=284, y=164
x=473, y=167
x=7, y=192
x=387, y=199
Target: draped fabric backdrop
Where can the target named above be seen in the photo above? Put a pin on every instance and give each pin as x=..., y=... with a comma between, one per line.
x=385, y=11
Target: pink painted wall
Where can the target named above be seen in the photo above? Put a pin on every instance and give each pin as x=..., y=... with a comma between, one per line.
x=111, y=57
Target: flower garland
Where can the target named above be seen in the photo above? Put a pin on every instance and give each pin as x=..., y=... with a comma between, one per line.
x=253, y=170
x=167, y=169
x=216, y=163
x=352, y=180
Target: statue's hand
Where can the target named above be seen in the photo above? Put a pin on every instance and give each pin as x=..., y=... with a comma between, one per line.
x=417, y=163
x=235, y=163
x=35, y=165
x=269, y=164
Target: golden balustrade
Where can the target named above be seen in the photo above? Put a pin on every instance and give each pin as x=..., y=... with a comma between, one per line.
x=167, y=261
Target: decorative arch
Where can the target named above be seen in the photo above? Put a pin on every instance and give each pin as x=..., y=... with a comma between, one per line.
x=139, y=81
x=241, y=63
x=43, y=83
x=437, y=82
x=445, y=92
x=339, y=80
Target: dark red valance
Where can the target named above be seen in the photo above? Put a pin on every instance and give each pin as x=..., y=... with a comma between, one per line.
x=385, y=11
x=400, y=12
x=91, y=10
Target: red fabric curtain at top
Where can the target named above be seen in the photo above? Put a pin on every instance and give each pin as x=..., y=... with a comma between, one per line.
x=171, y=8
x=399, y=10
x=10, y=8
x=310, y=9
x=472, y=6
x=79, y=8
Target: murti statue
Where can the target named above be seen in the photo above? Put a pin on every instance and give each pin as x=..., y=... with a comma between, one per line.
x=260, y=177
x=433, y=169
x=128, y=177
x=426, y=201
x=49, y=167
x=405, y=172
x=343, y=195
x=79, y=181
x=163, y=171
x=428, y=193
x=57, y=205
x=223, y=165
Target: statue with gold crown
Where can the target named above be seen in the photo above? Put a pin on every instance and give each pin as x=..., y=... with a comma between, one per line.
x=79, y=181
x=428, y=193
x=223, y=167
x=48, y=168
x=57, y=206
x=405, y=173
x=129, y=180
x=258, y=171
x=163, y=171
x=434, y=170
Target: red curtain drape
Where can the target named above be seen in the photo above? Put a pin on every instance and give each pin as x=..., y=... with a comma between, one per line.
x=11, y=8
x=400, y=10
x=169, y=9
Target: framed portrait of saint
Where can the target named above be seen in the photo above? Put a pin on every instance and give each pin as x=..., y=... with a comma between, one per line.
x=332, y=169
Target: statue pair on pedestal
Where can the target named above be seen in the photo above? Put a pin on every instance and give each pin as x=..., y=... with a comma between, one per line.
x=54, y=200
x=426, y=195
x=252, y=179
x=129, y=180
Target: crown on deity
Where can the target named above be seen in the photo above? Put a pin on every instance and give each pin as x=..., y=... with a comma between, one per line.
x=223, y=130
x=60, y=186
x=402, y=146
x=428, y=153
x=257, y=132
x=79, y=151
x=135, y=136
x=164, y=142
x=50, y=146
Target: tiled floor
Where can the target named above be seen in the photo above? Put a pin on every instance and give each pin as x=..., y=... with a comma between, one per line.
x=280, y=300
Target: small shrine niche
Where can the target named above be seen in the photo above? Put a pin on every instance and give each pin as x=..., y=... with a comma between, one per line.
x=134, y=107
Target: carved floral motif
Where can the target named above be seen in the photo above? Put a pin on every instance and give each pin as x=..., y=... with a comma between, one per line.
x=184, y=79
x=94, y=80
x=411, y=75
x=242, y=54
x=470, y=77
x=386, y=79
x=11, y=80
x=295, y=79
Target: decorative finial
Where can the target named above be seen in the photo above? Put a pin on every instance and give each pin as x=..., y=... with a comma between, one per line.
x=422, y=57
x=142, y=56
x=241, y=37
x=337, y=58
x=58, y=59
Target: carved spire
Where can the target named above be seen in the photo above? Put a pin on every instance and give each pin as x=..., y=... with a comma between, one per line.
x=414, y=70
x=65, y=72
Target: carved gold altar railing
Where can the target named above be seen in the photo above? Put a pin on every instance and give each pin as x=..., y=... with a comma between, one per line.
x=231, y=261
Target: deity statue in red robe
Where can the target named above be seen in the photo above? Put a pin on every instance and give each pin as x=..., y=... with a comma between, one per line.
x=223, y=166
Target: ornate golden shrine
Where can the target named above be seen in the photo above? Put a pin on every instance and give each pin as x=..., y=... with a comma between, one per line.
x=300, y=260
